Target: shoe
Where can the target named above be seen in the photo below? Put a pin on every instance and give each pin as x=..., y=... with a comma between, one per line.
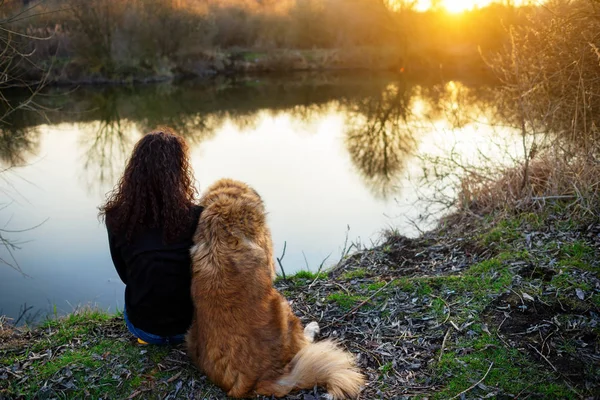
x=140, y=341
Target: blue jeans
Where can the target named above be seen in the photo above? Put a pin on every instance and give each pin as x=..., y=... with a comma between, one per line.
x=150, y=337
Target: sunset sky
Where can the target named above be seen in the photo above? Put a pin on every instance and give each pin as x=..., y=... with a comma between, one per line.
x=456, y=6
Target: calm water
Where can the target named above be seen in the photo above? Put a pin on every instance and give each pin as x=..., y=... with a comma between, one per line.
x=332, y=156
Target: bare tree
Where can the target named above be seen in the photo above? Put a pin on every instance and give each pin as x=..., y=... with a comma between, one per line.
x=15, y=55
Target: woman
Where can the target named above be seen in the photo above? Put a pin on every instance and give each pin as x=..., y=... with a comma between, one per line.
x=151, y=218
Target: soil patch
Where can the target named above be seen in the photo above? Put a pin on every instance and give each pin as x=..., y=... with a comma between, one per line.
x=563, y=337
x=427, y=255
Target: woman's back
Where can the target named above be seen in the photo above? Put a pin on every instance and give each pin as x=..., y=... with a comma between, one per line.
x=151, y=217
x=157, y=278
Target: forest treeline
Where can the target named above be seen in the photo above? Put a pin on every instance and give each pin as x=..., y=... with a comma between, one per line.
x=545, y=58
x=117, y=40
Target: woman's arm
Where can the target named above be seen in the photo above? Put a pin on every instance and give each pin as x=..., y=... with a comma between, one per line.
x=118, y=261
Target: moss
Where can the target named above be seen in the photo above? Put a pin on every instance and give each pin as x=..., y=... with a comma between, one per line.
x=579, y=255
x=510, y=371
x=439, y=308
x=354, y=274
x=405, y=284
x=302, y=277
x=385, y=369
x=307, y=275
x=344, y=300
x=76, y=365
x=503, y=234
x=373, y=287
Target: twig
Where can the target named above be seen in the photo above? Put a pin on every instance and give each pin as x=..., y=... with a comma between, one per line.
x=444, y=344
x=556, y=370
x=367, y=300
x=346, y=249
x=474, y=385
x=342, y=287
x=553, y=197
x=22, y=314
x=447, y=306
x=305, y=261
x=318, y=272
x=281, y=258
x=544, y=357
x=455, y=326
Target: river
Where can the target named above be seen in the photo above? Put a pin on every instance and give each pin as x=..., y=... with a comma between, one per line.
x=337, y=158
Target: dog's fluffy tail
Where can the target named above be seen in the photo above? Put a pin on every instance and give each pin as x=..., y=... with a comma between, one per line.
x=324, y=364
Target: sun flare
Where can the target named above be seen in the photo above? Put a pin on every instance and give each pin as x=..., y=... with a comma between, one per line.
x=458, y=6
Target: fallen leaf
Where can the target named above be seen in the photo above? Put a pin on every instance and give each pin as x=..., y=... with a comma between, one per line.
x=484, y=328
x=580, y=293
x=171, y=379
x=527, y=296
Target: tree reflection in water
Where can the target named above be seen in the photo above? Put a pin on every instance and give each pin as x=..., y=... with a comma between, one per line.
x=18, y=141
x=386, y=118
x=121, y=117
x=384, y=130
x=108, y=143
x=379, y=137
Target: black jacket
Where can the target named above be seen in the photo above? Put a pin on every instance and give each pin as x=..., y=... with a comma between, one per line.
x=157, y=277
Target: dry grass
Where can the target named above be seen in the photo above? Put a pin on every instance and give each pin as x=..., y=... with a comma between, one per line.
x=546, y=179
x=551, y=95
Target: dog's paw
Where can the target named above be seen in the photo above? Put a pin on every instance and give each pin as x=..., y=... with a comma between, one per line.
x=311, y=331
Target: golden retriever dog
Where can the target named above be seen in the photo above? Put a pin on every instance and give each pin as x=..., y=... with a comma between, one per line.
x=244, y=336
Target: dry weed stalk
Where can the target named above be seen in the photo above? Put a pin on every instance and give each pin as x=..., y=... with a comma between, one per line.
x=551, y=91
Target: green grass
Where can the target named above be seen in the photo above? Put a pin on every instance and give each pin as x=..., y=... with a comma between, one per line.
x=307, y=275
x=579, y=255
x=549, y=270
x=577, y=249
x=439, y=308
x=79, y=365
x=503, y=234
x=458, y=304
x=469, y=291
x=374, y=286
x=385, y=369
x=404, y=284
x=565, y=281
x=302, y=277
x=344, y=300
x=355, y=274
x=511, y=371
x=423, y=288
x=71, y=357
x=77, y=325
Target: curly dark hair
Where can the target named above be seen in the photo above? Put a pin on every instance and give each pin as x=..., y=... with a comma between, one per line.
x=156, y=189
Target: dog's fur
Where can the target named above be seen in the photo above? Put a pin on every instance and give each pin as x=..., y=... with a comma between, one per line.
x=244, y=336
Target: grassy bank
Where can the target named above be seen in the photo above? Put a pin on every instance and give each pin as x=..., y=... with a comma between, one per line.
x=504, y=306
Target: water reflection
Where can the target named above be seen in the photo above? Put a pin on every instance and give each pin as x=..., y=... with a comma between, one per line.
x=18, y=139
x=325, y=153
x=383, y=122
x=379, y=136
x=107, y=142
x=383, y=118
